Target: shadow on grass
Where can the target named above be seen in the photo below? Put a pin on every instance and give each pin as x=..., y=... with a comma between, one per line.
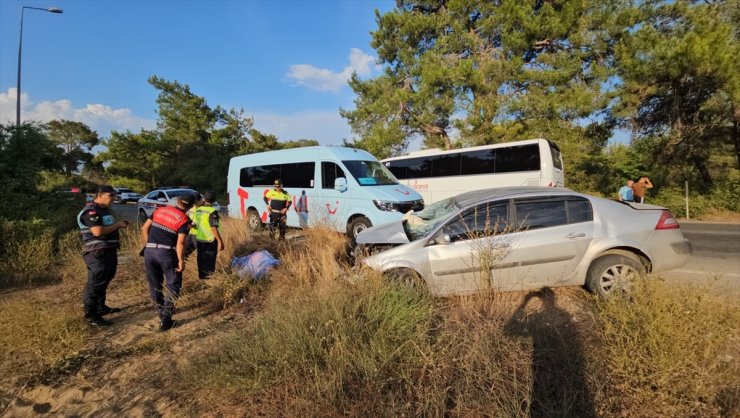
x=559, y=386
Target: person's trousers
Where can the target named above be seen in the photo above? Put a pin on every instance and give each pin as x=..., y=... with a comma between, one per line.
x=101, y=268
x=279, y=220
x=164, y=281
x=207, y=252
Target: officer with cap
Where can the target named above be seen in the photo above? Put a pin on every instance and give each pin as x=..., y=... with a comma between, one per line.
x=206, y=226
x=100, y=244
x=278, y=203
x=164, y=255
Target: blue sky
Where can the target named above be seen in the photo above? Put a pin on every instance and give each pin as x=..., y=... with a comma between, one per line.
x=286, y=63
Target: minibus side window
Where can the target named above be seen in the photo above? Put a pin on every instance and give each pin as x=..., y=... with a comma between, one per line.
x=330, y=172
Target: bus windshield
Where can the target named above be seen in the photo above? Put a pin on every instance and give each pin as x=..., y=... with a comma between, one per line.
x=370, y=173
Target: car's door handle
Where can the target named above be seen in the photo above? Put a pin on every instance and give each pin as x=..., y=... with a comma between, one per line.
x=575, y=235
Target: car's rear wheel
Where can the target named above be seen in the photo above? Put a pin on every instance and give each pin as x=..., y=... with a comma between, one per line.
x=613, y=273
x=253, y=221
x=406, y=277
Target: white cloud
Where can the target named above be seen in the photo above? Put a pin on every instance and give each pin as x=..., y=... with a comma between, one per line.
x=326, y=127
x=322, y=79
x=99, y=117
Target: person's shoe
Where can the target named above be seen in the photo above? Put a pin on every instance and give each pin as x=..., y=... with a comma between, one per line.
x=166, y=325
x=98, y=321
x=105, y=310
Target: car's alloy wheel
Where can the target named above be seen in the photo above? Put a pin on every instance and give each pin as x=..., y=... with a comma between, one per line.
x=406, y=277
x=613, y=273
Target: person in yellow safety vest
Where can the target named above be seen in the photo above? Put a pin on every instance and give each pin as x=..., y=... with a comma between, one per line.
x=278, y=203
x=207, y=230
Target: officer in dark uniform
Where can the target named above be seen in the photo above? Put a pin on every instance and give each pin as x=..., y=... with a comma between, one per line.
x=278, y=203
x=100, y=251
x=165, y=234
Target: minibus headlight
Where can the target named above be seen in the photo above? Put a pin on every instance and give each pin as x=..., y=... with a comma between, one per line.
x=387, y=206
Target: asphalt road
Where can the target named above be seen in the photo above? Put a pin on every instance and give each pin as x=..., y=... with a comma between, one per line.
x=716, y=253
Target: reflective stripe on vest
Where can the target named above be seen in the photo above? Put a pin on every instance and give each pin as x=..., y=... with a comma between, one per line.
x=201, y=217
x=169, y=218
x=89, y=241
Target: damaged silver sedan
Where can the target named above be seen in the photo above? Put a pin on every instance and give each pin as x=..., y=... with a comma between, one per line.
x=525, y=238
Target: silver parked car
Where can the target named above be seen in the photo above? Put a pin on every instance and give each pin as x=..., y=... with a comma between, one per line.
x=525, y=238
x=161, y=197
x=125, y=195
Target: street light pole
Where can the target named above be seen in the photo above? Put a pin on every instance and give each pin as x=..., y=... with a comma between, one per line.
x=20, y=47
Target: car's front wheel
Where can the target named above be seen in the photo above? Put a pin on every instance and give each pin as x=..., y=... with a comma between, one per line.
x=613, y=273
x=407, y=277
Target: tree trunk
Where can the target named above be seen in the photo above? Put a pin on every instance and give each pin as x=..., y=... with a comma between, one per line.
x=736, y=137
x=701, y=165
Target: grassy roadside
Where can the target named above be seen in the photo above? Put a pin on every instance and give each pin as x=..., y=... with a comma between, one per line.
x=312, y=344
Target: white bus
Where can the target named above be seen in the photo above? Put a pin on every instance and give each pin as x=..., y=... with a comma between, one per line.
x=438, y=174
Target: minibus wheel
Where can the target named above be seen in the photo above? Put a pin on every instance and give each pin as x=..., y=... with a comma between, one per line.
x=358, y=225
x=253, y=220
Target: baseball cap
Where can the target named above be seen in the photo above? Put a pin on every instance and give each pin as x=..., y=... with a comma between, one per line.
x=278, y=182
x=106, y=189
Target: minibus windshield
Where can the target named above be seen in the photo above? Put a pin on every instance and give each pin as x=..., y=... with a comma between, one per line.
x=370, y=173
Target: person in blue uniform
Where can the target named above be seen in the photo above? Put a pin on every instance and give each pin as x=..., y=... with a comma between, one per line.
x=100, y=244
x=165, y=234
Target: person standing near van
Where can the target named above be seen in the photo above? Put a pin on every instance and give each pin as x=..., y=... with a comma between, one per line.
x=301, y=208
x=206, y=225
x=640, y=187
x=164, y=256
x=626, y=193
x=100, y=244
x=278, y=203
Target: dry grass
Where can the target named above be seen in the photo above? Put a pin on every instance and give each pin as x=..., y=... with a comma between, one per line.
x=312, y=344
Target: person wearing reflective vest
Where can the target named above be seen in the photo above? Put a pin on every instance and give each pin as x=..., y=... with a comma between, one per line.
x=100, y=251
x=278, y=203
x=206, y=226
x=164, y=255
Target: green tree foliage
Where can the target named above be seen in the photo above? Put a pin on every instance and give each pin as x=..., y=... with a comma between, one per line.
x=24, y=154
x=681, y=87
x=76, y=141
x=191, y=146
x=489, y=72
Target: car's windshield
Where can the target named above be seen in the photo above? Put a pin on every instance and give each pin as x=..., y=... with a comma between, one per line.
x=370, y=173
x=418, y=224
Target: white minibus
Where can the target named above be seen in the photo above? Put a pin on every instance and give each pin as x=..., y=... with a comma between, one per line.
x=438, y=174
x=345, y=188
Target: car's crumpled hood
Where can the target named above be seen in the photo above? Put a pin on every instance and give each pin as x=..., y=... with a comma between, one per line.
x=390, y=233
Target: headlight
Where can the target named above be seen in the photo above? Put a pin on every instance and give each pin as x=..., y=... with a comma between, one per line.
x=387, y=206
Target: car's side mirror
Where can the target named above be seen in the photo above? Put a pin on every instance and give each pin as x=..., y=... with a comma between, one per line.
x=441, y=239
x=340, y=184
x=162, y=199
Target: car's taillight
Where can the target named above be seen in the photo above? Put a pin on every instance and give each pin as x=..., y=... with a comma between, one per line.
x=667, y=221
